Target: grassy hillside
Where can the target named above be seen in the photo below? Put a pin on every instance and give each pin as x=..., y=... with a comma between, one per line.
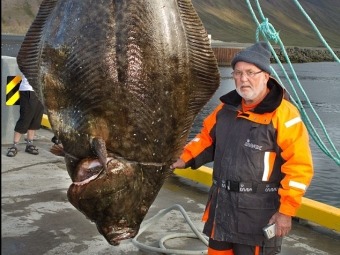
x=231, y=20
x=17, y=15
x=226, y=20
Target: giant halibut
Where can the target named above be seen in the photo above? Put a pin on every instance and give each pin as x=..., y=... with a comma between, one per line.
x=122, y=82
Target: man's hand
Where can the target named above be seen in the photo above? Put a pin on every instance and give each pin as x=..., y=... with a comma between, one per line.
x=178, y=164
x=283, y=223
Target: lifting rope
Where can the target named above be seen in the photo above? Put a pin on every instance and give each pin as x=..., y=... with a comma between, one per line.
x=268, y=32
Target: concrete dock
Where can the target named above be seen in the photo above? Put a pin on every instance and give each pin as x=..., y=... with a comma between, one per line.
x=38, y=219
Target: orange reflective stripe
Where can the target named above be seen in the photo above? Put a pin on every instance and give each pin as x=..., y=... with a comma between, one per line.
x=257, y=250
x=216, y=252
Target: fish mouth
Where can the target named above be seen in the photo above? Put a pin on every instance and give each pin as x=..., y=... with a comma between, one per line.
x=90, y=169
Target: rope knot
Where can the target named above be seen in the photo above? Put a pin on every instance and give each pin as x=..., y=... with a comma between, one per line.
x=269, y=30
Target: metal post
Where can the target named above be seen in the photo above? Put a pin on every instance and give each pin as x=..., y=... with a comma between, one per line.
x=9, y=114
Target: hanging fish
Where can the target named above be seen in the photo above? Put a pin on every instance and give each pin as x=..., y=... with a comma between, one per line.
x=122, y=82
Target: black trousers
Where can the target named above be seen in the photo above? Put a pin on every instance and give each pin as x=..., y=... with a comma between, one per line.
x=31, y=112
x=242, y=249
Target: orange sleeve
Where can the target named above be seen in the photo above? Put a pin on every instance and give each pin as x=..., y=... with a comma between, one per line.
x=293, y=139
x=203, y=140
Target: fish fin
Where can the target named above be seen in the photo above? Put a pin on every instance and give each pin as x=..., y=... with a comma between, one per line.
x=57, y=149
x=203, y=60
x=29, y=54
x=99, y=147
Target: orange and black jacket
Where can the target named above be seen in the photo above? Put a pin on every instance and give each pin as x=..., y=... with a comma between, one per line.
x=262, y=164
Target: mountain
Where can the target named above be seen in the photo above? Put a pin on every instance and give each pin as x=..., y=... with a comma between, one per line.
x=228, y=20
x=231, y=20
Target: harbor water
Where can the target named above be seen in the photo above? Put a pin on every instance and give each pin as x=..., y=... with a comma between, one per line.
x=321, y=85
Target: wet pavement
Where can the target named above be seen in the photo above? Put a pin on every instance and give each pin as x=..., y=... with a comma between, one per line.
x=38, y=219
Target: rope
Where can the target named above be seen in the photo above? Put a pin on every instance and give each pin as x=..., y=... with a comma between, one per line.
x=316, y=30
x=146, y=224
x=268, y=32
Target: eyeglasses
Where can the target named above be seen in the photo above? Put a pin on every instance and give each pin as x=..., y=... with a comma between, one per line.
x=249, y=74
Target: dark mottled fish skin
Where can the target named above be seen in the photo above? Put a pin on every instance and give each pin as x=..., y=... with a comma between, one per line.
x=122, y=82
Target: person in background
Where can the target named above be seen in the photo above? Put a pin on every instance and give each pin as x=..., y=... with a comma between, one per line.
x=31, y=112
x=262, y=160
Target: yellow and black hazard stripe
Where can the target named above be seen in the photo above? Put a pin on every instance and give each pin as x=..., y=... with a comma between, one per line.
x=13, y=96
x=12, y=90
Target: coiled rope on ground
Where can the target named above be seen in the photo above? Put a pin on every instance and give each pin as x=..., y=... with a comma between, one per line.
x=162, y=249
